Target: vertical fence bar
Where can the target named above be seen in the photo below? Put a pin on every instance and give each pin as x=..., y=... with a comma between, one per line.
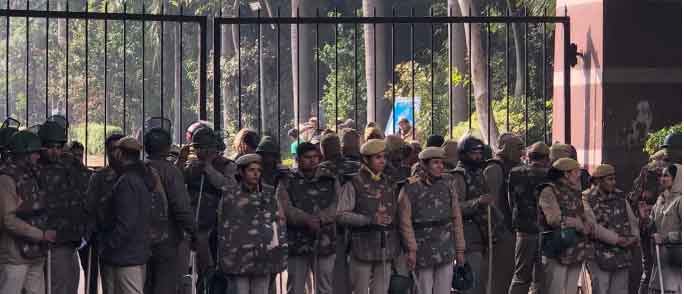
x=239, y=80
x=47, y=50
x=470, y=70
x=543, y=82
x=259, y=73
x=125, y=44
x=394, y=81
x=413, y=77
x=216, y=63
x=527, y=115
x=375, y=71
x=336, y=72
x=318, y=96
x=87, y=88
x=142, y=35
x=566, y=82
x=356, y=77
x=432, y=75
x=202, y=95
x=179, y=64
x=489, y=80
x=161, y=64
x=106, y=96
x=66, y=65
x=28, y=58
x=7, y=27
x=508, y=76
x=299, y=50
x=451, y=95
x=278, y=73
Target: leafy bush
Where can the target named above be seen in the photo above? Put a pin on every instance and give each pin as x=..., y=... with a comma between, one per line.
x=96, y=136
x=655, y=139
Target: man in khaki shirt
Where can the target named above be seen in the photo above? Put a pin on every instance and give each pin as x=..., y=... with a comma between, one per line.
x=21, y=269
x=431, y=224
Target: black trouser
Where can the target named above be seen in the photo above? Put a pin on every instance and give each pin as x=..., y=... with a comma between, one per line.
x=165, y=269
x=93, y=267
x=527, y=275
x=646, y=263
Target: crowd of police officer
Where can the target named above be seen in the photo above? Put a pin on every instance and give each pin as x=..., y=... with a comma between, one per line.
x=371, y=213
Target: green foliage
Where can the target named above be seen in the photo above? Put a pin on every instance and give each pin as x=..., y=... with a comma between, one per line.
x=96, y=136
x=655, y=139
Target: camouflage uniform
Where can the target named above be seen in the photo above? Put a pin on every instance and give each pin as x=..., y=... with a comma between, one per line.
x=345, y=169
x=558, y=201
x=610, y=269
x=66, y=208
x=373, y=247
x=247, y=224
x=523, y=196
x=433, y=229
x=22, y=206
x=302, y=198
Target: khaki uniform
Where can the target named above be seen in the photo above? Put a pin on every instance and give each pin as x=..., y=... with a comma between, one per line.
x=301, y=199
x=666, y=216
x=373, y=247
x=561, y=206
x=523, y=198
x=610, y=269
x=21, y=260
x=432, y=227
x=247, y=232
x=496, y=176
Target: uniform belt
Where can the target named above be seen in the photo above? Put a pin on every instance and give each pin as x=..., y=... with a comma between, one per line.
x=429, y=224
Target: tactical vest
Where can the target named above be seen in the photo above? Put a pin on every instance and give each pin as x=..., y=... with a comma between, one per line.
x=367, y=242
x=503, y=193
x=311, y=196
x=160, y=225
x=611, y=212
x=210, y=194
x=344, y=169
x=245, y=229
x=105, y=178
x=432, y=221
x=67, y=181
x=475, y=187
x=524, y=197
x=278, y=256
x=32, y=208
x=570, y=203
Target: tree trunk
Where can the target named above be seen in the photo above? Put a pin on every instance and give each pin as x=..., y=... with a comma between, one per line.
x=478, y=68
x=378, y=62
x=457, y=51
x=177, y=95
x=228, y=49
x=303, y=67
x=518, y=40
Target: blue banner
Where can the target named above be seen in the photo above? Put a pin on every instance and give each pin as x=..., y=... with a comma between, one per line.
x=403, y=107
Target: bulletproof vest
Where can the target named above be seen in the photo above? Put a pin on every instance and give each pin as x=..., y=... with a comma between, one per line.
x=32, y=208
x=278, y=256
x=160, y=226
x=611, y=212
x=210, y=194
x=570, y=203
x=66, y=200
x=475, y=187
x=397, y=172
x=311, y=196
x=344, y=169
x=246, y=226
x=524, y=197
x=503, y=193
x=432, y=221
x=367, y=242
x=647, y=186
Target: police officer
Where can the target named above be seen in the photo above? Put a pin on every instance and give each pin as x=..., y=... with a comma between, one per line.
x=270, y=155
x=558, y=151
x=6, y=132
x=474, y=200
x=248, y=219
x=432, y=226
x=508, y=156
x=99, y=195
x=562, y=210
x=24, y=227
x=395, y=148
x=211, y=174
x=612, y=256
x=368, y=205
x=350, y=140
x=645, y=191
x=67, y=180
x=308, y=196
x=523, y=198
x=168, y=260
